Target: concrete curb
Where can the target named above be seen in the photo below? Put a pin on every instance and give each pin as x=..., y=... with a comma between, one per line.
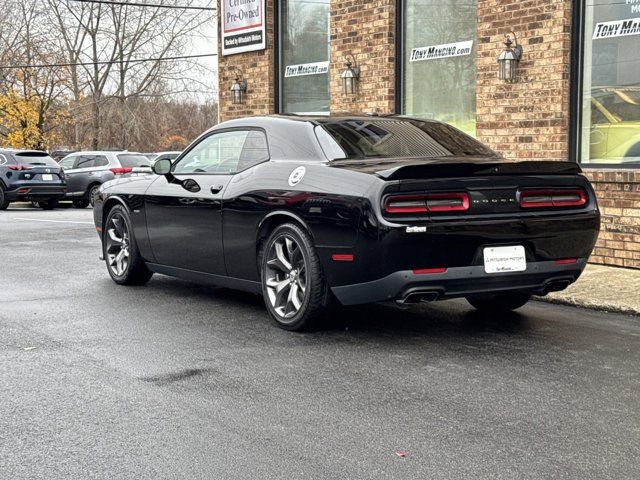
x=582, y=303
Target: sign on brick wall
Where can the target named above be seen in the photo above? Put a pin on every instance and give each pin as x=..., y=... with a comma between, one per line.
x=446, y=50
x=243, y=26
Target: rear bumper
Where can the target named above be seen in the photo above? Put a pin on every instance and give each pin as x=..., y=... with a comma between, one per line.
x=405, y=286
x=36, y=192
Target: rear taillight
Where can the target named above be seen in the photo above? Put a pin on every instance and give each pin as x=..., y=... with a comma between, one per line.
x=432, y=202
x=120, y=170
x=19, y=167
x=552, y=198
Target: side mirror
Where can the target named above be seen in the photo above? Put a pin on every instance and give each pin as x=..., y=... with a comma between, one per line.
x=162, y=167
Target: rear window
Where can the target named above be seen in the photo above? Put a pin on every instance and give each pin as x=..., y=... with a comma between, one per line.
x=130, y=160
x=35, y=158
x=394, y=138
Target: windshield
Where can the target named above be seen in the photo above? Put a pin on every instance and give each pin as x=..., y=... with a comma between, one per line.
x=130, y=160
x=396, y=138
x=35, y=158
x=622, y=103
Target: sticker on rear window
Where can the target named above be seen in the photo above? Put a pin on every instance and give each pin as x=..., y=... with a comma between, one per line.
x=296, y=176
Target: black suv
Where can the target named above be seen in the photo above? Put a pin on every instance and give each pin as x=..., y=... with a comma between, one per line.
x=31, y=176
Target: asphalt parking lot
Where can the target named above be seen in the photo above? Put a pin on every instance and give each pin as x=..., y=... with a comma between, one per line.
x=176, y=380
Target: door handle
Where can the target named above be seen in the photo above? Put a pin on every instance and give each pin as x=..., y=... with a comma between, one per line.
x=216, y=188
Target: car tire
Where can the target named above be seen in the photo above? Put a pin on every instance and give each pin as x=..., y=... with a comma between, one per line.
x=293, y=285
x=498, y=302
x=81, y=203
x=48, y=204
x=93, y=191
x=120, y=249
x=4, y=203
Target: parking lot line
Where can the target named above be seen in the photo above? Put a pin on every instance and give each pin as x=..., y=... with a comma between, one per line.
x=53, y=221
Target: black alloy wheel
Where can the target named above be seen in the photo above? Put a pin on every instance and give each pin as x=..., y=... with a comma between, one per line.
x=124, y=263
x=294, y=289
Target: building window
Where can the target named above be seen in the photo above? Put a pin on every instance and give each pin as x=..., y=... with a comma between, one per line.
x=610, y=98
x=304, y=56
x=439, y=61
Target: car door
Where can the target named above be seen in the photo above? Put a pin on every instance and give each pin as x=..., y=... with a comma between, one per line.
x=72, y=175
x=184, y=209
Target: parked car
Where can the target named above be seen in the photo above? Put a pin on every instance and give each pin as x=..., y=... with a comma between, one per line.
x=304, y=210
x=30, y=175
x=86, y=171
x=150, y=155
x=165, y=156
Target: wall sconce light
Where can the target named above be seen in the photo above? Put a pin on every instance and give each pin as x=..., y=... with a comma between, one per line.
x=350, y=77
x=508, y=59
x=238, y=88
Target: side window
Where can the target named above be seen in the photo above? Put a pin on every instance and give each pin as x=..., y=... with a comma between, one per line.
x=67, y=163
x=100, y=161
x=85, y=161
x=224, y=153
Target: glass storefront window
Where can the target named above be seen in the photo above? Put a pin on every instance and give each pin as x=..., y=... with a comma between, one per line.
x=439, y=61
x=304, y=56
x=610, y=102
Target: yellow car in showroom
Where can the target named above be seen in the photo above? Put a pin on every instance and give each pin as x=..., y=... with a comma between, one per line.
x=615, y=125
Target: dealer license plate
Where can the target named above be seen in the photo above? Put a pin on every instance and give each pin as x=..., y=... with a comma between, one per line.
x=505, y=259
x=47, y=177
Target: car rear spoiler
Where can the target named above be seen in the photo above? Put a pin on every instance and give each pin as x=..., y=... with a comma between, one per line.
x=442, y=169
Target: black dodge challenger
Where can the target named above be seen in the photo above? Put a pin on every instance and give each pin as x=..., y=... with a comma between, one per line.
x=310, y=211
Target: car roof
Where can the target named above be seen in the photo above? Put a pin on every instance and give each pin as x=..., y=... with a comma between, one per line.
x=18, y=150
x=103, y=152
x=316, y=119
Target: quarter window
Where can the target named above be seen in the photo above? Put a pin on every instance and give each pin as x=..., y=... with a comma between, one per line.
x=225, y=153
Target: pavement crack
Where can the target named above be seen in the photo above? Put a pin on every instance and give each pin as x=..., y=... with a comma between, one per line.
x=172, y=377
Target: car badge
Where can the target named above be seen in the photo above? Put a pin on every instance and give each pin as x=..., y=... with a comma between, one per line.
x=47, y=170
x=296, y=176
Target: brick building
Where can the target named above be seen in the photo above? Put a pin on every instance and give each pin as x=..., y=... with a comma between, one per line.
x=576, y=96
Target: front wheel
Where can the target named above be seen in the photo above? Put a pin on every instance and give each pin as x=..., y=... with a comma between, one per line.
x=498, y=302
x=293, y=284
x=124, y=262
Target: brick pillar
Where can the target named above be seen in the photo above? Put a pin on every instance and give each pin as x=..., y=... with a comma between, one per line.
x=366, y=30
x=528, y=119
x=258, y=69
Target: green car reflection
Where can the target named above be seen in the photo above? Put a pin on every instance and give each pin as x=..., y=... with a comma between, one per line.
x=615, y=124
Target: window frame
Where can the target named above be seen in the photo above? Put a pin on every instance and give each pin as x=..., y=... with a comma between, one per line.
x=177, y=161
x=576, y=80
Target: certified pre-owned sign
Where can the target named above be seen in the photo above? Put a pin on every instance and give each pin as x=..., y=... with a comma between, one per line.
x=446, y=50
x=303, y=69
x=243, y=26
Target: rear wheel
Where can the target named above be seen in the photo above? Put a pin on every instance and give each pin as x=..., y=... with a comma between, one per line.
x=93, y=192
x=498, y=302
x=293, y=285
x=4, y=203
x=48, y=204
x=124, y=263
